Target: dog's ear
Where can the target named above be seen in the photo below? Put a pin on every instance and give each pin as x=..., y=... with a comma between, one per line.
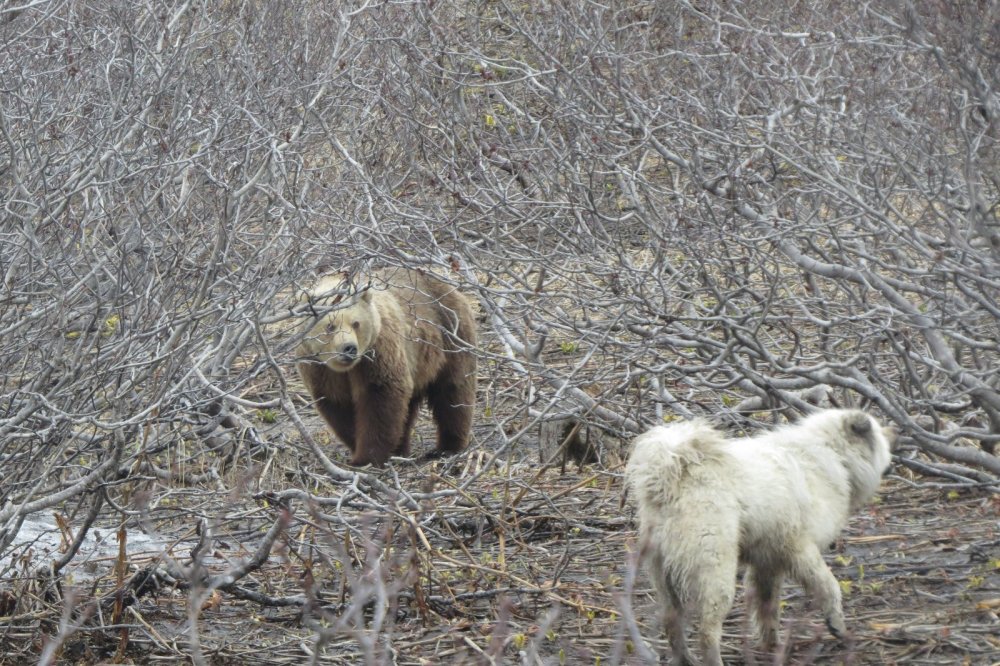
x=859, y=424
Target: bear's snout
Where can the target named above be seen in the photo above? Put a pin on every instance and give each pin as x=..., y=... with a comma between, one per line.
x=347, y=352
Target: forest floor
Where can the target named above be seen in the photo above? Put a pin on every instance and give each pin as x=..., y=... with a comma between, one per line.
x=528, y=563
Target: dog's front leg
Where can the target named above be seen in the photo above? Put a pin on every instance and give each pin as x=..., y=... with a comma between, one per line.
x=811, y=571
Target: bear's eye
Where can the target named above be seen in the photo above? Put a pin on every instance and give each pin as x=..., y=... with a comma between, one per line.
x=355, y=325
x=330, y=328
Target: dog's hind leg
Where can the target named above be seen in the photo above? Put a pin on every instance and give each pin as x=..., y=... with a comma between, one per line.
x=676, y=625
x=674, y=622
x=811, y=571
x=706, y=580
x=714, y=589
x=763, y=586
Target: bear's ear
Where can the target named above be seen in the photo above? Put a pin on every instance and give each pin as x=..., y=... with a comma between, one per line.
x=366, y=295
x=326, y=291
x=304, y=296
x=321, y=297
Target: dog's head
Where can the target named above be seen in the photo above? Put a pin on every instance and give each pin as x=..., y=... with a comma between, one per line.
x=869, y=453
x=879, y=441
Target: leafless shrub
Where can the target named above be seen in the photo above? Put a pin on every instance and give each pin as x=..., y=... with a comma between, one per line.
x=663, y=209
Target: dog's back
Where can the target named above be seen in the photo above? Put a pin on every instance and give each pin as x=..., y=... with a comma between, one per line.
x=664, y=458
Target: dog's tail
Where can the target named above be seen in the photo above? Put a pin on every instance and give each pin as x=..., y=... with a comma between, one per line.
x=661, y=458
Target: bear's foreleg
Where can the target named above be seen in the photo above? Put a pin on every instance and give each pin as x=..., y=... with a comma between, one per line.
x=340, y=418
x=379, y=424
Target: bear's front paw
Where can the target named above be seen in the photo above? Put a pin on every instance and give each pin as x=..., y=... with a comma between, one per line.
x=361, y=459
x=436, y=454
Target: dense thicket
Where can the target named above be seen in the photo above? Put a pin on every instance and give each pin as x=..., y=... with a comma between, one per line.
x=662, y=208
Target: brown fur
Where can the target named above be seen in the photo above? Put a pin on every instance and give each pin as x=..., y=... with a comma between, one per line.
x=414, y=338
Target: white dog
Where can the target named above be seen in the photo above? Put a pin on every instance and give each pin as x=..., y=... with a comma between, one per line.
x=706, y=503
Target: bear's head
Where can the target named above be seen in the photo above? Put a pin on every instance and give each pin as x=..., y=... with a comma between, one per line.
x=340, y=338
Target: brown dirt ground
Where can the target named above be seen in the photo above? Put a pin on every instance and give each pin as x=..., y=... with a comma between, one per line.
x=529, y=563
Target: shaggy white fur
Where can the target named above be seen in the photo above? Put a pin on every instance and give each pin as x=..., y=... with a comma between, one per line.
x=706, y=503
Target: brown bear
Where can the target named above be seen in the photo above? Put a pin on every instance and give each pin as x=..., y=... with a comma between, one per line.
x=407, y=337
